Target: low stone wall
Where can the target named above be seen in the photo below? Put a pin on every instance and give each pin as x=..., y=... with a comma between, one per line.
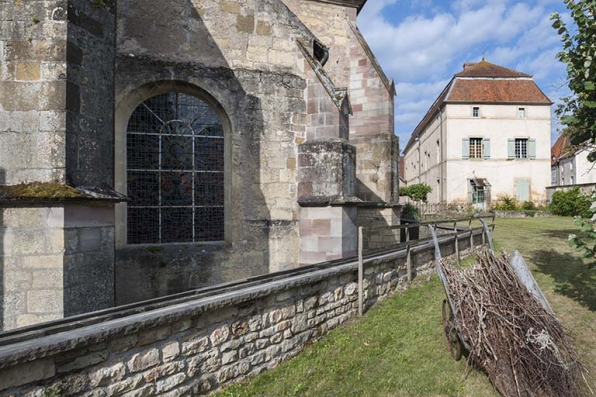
x=522, y=214
x=197, y=346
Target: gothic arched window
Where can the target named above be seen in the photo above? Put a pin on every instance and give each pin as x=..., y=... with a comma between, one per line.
x=175, y=171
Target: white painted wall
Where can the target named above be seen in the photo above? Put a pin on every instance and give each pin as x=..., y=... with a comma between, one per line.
x=422, y=159
x=585, y=171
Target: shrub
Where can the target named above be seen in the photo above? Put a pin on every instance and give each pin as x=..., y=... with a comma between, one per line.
x=528, y=206
x=417, y=192
x=570, y=202
x=410, y=212
x=505, y=203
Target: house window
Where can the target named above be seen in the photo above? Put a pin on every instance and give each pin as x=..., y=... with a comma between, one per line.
x=475, y=112
x=571, y=166
x=175, y=171
x=521, y=113
x=521, y=148
x=572, y=179
x=476, y=148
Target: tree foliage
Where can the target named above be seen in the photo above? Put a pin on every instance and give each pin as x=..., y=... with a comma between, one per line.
x=586, y=241
x=417, y=192
x=578, y=111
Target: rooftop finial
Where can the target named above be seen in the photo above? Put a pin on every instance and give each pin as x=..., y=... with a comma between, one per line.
x=486, y=49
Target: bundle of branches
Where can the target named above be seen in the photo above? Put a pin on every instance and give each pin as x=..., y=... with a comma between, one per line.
x=522, y=346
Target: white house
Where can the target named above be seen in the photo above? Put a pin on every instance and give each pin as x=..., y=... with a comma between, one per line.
x=487, y=134
x=570, y=165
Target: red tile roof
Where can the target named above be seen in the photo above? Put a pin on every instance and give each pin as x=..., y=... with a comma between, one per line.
x=561, y=148
x=487, y=69
x=484, y=82
x=496, y=90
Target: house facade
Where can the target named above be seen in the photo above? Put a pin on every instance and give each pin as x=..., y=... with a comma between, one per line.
x=149, y=148
x=570, y=165
x=487, y=134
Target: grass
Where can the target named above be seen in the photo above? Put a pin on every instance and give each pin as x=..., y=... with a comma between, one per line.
x=398, y=348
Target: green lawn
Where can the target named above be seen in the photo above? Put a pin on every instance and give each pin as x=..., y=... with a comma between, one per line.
x=398, y=348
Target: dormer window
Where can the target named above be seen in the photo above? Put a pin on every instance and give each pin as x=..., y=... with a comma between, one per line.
x=475, y=111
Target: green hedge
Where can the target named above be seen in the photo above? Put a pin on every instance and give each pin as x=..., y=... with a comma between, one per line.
x=570, y=202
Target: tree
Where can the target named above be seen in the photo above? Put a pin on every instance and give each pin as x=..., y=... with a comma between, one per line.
x=578, y=111
x=585, y=242
x=417, y=192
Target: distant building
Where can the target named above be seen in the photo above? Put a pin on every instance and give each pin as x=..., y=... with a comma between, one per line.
x=487, y=134
x=570, y=165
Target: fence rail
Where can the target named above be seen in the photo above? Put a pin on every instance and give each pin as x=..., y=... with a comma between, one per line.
x=443, y=227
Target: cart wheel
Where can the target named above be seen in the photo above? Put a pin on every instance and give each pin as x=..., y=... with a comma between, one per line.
x=453, y=343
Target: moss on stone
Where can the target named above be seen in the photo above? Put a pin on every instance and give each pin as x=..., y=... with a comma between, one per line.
x=38, y=190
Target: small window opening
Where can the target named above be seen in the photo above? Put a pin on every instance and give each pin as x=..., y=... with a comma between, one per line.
x=320, y=52
x=521, y=113
x=475, y=112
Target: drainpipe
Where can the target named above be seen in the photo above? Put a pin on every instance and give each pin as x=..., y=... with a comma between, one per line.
x=441, y=198
x=419, y=160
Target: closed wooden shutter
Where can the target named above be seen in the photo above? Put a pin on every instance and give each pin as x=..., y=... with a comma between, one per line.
x=511, y=148
x=486, y=148
x=532, y=149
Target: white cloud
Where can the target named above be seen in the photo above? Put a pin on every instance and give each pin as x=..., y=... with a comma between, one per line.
x=423, y=50
x=421, y=46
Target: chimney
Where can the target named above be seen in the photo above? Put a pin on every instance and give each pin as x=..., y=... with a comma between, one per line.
x=467, y=65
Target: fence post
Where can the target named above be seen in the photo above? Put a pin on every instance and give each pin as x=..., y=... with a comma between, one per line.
x=408, y=260
x=471, y=236
x=360, y=274
x=456, y=242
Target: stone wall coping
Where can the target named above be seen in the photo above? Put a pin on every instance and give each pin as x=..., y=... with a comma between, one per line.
x=82, y=194
x=50, y=345
x=388, y=83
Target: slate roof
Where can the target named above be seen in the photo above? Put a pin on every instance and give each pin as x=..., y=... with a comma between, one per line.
x=484, y=82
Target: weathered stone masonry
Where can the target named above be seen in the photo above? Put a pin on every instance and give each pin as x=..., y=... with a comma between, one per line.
x=198, y=346
x=56, y=126
x=305, y=164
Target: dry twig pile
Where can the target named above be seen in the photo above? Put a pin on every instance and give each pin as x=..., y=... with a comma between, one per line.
x=522, y=347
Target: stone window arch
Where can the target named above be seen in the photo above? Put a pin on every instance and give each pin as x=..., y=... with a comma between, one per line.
x=174, y=167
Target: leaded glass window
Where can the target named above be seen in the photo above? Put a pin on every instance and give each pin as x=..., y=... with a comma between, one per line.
x=175, y=171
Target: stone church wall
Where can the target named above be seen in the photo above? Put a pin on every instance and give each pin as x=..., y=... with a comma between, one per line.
x=56, y=127
x=245, y=59
x=57, y=262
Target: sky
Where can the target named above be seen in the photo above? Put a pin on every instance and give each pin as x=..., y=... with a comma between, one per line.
x=421, y=44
